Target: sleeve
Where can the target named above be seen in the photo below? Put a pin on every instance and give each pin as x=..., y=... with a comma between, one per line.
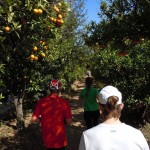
x=82, y=143
x=67, y=111
x=37, y=110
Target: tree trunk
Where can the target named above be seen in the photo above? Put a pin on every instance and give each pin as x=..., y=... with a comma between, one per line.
x=19, y=112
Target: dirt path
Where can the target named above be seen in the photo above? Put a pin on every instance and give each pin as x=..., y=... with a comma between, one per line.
x=74, y=132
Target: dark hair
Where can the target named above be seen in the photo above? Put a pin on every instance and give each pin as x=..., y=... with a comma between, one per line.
x=88, y=82
x=111, y=107
x=54, y=90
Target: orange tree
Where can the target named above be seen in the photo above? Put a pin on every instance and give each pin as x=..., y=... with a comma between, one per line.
x=119, y=55
x=39, y=41
x=26, y=32
x=42, y=36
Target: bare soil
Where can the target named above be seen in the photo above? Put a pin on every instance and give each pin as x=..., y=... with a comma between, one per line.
x=30, y=137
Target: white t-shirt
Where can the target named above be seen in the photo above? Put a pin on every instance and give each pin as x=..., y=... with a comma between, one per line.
x=113, y=137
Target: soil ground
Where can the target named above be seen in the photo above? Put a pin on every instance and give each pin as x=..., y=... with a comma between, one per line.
x=30, y=137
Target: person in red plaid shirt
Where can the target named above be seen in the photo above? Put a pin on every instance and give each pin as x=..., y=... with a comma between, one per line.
x=54, y=113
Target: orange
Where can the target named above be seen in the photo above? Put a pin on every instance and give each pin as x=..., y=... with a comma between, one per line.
x=59, y=21
x=35, y=48
x=32, y=57
x=56, y=9
x=42, y=55
x=45, y=47
x=59, y=16
x=40, y=11
x=54, y=21
x=35, y=11
x=35, y=58
x=7, y=29
x=59, y=4
x=51, y=18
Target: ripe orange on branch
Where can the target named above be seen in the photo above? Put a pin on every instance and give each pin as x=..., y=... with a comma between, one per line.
x=35, y=11
x=56, y=9
x=52, y=19
x=40, y=11
x=59, y=16
x=59, y=4
x=45, y=47
x=35, y=58
x=35, y=48
x=42, y=55
x=59, y=21
x=7, y=29
x=31, y=57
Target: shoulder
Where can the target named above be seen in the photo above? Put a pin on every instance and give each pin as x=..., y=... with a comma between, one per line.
x=131, y=129
x=41, y=100
x=45, y=98
x=94, y=89
x=83, y=91
x=63, y=100
x=124, y=125
x=92, y=131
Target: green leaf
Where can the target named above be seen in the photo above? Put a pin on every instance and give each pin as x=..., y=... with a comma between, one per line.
x=10, y=2
x=17, y=34
x=2, y=39
x=19, y=26
x=1, y=10
x=10, y=8
x=16, y=25
x=28, y=3
x=10, y=17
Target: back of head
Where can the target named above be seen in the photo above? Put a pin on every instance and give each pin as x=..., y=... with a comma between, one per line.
x=107, y=92
x=110, y=99
x=55, y=85
x=88, y=81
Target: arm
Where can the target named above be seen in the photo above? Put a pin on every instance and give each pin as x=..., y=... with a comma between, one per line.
x=69, y=121
x=81, y=99
x=36, y=114
x=82, y=143
x=35, y=119
x=67, y=113
x=97, y=95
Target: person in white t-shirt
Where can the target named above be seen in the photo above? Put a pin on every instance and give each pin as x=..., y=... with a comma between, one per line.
x=112, y=134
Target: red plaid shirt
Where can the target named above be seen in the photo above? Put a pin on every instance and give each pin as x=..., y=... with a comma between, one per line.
x=53, y=111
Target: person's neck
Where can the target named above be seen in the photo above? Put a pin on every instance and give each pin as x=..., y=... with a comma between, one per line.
x=54, y=93
x=112, y=121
